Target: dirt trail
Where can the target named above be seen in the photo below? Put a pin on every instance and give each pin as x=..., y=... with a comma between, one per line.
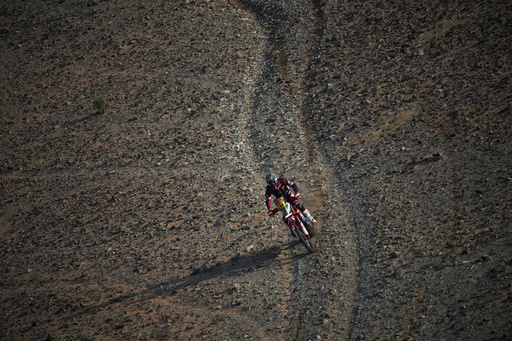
x=319, y=310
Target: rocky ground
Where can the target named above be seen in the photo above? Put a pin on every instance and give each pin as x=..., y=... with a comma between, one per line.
x=144, y=219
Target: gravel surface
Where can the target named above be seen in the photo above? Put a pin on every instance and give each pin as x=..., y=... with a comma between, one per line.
x=136, y=135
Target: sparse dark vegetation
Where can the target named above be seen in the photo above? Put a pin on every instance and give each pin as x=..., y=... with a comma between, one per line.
x=101, y=105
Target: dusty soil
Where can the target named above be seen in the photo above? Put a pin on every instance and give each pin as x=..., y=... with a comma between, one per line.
x=146, y=221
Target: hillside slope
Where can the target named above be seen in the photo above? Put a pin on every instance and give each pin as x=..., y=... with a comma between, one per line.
x=146, y=221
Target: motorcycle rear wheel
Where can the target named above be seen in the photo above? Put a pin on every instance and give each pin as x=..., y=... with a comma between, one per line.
x=310, y=227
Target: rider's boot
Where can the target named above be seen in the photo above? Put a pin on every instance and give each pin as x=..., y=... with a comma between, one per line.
x=309, y=216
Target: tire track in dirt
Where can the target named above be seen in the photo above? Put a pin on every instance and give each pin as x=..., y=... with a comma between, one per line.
x=339, y=251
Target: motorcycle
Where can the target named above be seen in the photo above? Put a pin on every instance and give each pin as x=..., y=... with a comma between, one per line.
x=301, y=227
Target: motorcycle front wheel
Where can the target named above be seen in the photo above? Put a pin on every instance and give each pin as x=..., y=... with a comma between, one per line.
x=305, y=240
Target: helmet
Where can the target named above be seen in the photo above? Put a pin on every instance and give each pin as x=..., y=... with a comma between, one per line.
x=271, y=179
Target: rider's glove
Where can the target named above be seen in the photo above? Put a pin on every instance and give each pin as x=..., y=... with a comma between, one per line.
x=270, y=213
x=297, y=195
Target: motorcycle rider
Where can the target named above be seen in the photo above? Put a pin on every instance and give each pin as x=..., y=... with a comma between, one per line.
x=280, y=187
